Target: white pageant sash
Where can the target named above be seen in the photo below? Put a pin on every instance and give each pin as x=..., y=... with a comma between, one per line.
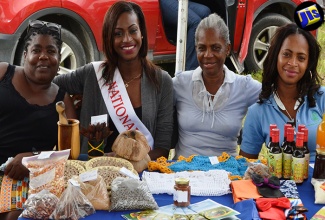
x=119, y=105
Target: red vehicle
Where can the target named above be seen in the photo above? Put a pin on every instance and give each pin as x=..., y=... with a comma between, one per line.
x=251, y=24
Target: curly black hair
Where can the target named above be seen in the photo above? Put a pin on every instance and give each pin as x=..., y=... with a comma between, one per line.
x=310, y=83
x=43, y=31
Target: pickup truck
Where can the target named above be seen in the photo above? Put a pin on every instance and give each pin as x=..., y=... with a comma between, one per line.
x=251, y=24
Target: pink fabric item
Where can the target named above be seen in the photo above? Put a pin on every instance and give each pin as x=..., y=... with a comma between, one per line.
x=272, y=208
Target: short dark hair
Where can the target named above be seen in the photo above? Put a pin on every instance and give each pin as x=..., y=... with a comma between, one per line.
x=309, y=84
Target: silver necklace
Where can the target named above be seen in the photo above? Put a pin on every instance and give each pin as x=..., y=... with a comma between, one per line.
x=282, y=107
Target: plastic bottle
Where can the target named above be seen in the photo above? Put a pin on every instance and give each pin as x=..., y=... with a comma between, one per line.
x=320, y=135
x=275, y=154
x=306, y=152
x=298, y=160
x=272, y=126
x=287, y=151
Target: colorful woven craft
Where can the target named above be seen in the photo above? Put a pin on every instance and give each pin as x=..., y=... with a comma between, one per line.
x=236, y=166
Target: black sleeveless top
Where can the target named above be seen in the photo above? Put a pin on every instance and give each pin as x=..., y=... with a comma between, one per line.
x=22, y=125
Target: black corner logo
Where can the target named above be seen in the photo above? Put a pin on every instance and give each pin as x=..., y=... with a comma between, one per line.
x=309, y=15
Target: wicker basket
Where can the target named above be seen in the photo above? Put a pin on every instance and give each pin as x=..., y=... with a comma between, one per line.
x=80, y=162
x=109, y=173
x=72, y=168
x=108, y=161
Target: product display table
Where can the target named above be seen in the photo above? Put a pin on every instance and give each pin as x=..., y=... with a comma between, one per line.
x=306, y=192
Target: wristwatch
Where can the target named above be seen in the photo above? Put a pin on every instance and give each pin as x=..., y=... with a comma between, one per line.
x=34, y=151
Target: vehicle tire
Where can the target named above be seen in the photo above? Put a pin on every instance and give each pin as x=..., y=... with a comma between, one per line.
x=72, y=53
x=262, y=32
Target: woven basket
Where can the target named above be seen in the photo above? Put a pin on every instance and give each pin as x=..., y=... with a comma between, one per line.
x=109, y=173
x=72, y=168
x=80, y=162
x=108, y=161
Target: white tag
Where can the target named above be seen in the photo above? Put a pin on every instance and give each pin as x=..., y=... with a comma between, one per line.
x=128, y=173
x=45, y=154
x=98, y=119
x=89, y=175
x=74, y=182
x=214, y=160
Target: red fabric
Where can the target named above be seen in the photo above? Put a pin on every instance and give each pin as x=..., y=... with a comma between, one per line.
x=272, y=208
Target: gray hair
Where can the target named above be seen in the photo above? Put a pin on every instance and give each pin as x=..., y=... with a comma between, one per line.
x=216, y=22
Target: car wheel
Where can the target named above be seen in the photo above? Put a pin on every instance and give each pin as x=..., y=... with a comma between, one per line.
x=259, y=43
x=72, y=53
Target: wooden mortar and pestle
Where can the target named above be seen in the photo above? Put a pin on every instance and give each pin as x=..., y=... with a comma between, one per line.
x=68, y=132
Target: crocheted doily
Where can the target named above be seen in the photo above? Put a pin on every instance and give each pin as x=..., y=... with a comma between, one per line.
x=236, y=166
x=209, y=183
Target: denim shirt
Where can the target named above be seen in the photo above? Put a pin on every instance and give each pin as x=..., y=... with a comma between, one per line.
x=260, y=116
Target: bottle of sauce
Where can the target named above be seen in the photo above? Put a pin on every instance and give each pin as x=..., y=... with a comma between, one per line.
x=298, y=160
x=286, y=126
x=287, y=151
x=319, y=168
x=306, y=152
x=275, y=154
x=272, y=126
x=182, y=192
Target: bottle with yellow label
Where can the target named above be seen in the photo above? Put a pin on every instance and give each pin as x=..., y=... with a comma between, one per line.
x=287, y=151
x=275, y=155
x=298, y=160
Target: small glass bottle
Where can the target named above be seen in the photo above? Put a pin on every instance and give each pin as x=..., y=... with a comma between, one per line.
x=182, y=192
x=306, y=152
x=298, y=160
x=275, y=155
x=272, y=126
x=286, y=126
x=287, y=153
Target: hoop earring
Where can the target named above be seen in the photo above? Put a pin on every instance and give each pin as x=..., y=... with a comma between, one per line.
x=311, y=74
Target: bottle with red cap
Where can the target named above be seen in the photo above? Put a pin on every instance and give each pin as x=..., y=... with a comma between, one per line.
x=306, y=152
x=275, y=154
x=272, y=126
x=286, y=126
x=298, y=160
x=287, y=151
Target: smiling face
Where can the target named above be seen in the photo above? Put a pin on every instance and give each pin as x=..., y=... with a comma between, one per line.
x=127, y=37
x=293, y=59
x=41, y=60
x=212, y=51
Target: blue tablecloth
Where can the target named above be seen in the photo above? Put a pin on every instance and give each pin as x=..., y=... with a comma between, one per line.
x=306, y=192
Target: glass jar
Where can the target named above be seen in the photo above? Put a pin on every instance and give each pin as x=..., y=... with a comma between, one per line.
x=319, y=168
x=182, y=192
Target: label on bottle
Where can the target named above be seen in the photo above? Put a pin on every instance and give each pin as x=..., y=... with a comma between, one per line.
x=287, y=161
x=180, y=196
x=275, y=164
x=298, y=167
x=306, y=170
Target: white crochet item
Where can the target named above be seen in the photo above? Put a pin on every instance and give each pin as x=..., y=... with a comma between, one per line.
x=209, y=183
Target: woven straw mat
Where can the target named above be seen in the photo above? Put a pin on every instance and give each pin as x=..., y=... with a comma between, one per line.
x=108, y=161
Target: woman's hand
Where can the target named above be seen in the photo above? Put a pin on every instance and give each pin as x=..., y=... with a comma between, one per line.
x=15, y=169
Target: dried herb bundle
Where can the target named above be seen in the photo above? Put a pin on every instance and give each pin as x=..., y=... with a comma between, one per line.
x=96, y=132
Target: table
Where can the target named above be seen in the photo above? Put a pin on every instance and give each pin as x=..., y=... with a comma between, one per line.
x=306, y=192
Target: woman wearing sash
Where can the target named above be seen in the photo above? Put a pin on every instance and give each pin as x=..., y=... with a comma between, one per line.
x=129, y=88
